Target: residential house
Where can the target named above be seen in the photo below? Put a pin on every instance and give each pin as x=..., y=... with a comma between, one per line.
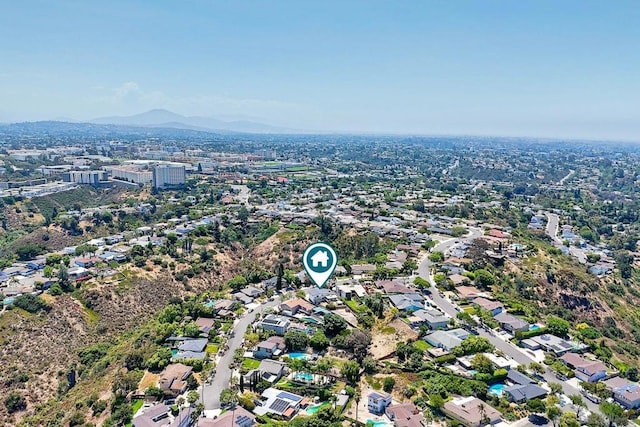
x=494, y=307
x=252, y=292
x=191, y=349
x=511, y=323
x=447, y=340
x=362, y=269
x=393, y=287
x=407, y=302
x=520, y=393
x=498, y=234
x=270, y=283
x=224, y=307
x=590, y=371
x=516, y=377
x=472, y=412
x=628, y=395
x=15, y=270
x=405, y=415
x=243, y=298
x=316, y=295
x=459, y=279
x=79, y=274
x=616, y=382
x=292, y=307
x=155, y=416
x=86, y=262
x=272, y=346
x=469, y=292
x=433, y=318
x=205, y=324
x=275, y=323
x=278, y=402
x=37, y=264
x=239, y=417
x=173, y=378
x=552, y=343
x=340, y=271
x=350, y=290
x=268, y=370
x=377, y=403
x=109, y=256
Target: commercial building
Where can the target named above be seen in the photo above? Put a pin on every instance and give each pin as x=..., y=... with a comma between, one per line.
x=168, y=175
x=131, y=174
x=91, y=177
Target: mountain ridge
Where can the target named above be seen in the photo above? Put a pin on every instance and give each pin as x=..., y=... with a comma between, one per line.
x=164, y=118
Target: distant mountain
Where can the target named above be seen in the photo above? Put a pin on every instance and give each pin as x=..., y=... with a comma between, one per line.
x=169, y=119
x=51, y=127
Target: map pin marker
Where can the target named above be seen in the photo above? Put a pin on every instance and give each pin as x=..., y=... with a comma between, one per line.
x=319, y=261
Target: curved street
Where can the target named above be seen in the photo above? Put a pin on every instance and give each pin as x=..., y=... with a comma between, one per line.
x=507, y=347
x=220, y=378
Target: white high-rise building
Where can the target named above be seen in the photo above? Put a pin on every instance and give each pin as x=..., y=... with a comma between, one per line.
x=168, y=175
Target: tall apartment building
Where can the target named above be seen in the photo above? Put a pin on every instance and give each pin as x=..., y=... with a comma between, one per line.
x=168, y=176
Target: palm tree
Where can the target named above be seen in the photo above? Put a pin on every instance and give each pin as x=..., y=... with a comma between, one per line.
x=356, y=397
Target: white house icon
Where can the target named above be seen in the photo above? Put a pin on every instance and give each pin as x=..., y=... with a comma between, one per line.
x=320, y=258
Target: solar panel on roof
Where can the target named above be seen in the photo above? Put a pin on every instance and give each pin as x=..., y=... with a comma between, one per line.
x=279, y=405
x=290, y=396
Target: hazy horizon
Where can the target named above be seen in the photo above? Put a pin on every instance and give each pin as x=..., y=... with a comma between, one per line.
x=540, y=69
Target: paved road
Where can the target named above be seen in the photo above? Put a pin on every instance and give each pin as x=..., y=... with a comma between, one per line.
x=222, y=374
x=507, y=347
x=243, y=194
x=553, y=222
x=566, y=177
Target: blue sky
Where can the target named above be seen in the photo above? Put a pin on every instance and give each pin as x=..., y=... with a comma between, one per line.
x=518, y=67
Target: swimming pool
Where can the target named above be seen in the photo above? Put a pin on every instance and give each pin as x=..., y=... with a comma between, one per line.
x=534, y=327
x=210, y=303
x=313, y=409
x=496, y=389
x=303, y=376
x=378, y=423
x=297, y=355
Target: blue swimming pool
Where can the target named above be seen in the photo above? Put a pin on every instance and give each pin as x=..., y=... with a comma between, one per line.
x=534, y=327
x=210, y=303
x=378, y=423
x=496, y=389
x=303, y=376
x=297, y=355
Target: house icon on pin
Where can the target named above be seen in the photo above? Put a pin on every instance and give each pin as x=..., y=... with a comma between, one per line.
x=320, y=259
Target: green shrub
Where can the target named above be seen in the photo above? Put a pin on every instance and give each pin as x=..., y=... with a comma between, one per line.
x=31, y=303
x=15, y=402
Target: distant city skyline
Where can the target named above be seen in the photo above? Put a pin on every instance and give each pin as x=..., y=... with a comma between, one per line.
x=543, y=68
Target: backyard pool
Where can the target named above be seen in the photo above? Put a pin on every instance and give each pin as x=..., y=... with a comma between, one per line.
x=496, y=389
x=303, y=376
x=378, y=423
x=315, y=408
x=297, y=355
x=210, y=303
x=534, y=327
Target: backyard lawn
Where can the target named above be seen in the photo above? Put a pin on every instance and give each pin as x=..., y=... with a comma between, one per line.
x=249, y=363
x=422, y=345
